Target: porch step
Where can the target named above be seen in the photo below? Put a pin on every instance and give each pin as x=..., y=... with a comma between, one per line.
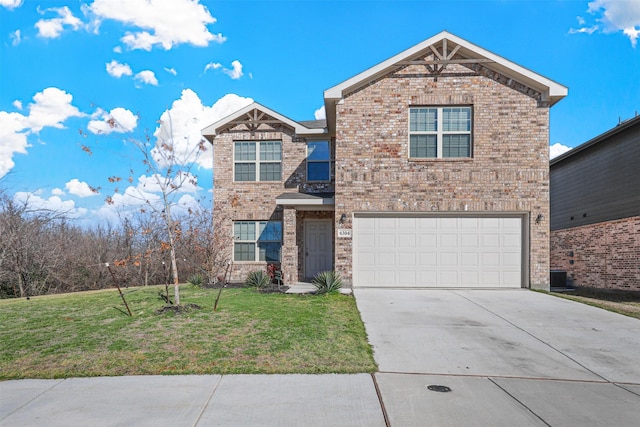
x=308, y=288
x=301, y=288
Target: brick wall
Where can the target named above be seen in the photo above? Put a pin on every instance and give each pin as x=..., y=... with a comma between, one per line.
x=509, y=171
x=237, y=201
x=605, y=255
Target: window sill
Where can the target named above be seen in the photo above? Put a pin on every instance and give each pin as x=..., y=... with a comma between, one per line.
x=258, y=182
x=440, y=160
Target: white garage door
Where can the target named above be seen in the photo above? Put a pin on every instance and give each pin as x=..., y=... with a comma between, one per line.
x=437, y=251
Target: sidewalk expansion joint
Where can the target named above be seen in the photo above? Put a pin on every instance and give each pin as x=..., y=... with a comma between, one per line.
x=384, y=409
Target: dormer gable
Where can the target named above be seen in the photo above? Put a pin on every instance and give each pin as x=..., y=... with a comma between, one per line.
x=256, y=117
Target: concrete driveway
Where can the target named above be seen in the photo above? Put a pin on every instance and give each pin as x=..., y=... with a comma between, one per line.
x=509, y=357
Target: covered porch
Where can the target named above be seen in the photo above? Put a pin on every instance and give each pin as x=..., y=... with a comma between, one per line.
x=308, y=234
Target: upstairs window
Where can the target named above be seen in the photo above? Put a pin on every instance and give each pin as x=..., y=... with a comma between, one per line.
x=257, y=241
x=257, y=161
x=439, y=132
x=318, y=161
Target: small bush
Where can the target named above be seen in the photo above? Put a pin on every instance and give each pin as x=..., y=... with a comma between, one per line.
x=196, y=280
x=326, y=282
x=258, y=279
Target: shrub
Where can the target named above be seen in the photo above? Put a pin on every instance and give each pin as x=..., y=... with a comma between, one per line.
x=326, y=282
x=257, y=279
x=196, y=280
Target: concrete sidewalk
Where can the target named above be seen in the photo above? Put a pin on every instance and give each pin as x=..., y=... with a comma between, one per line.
x=198, y=400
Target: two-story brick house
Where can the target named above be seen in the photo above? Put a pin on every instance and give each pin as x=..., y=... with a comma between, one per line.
x=431, y=170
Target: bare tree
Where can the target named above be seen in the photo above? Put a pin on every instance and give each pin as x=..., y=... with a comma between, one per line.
x=168, y=165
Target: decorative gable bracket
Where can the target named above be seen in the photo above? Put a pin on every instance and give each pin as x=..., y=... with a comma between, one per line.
x=442, y=59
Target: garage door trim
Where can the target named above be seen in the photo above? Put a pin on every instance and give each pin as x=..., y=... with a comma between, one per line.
x=524, y=237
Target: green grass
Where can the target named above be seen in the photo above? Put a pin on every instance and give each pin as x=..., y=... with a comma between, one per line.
x=626, y=303
x=83, y=334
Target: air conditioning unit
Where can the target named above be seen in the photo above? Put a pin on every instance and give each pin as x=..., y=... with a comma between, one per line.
x=558, y=279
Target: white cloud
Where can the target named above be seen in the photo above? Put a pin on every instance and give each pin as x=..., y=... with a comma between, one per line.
x=79, y=188
x=557, y=149
x=320, y=114
x=212, y=66
x=52, y=28
x=11, y=4
x=185, y=183
x=53, y=203
x=57, y=192
x=16, y=38
x=612, y=16
x=131, y=200
x=161, y=22
x=236, y=72
x=147, y=77
x=117, y=49
x=145, y=195
x=13, y=135
x=118, y=120
x=171, y=71
x=51, y=108
x=117, y=70
x=181, y=125
x=18, y=104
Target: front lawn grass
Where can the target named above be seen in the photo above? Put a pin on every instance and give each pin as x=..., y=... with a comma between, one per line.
x=621, y=302
x=84, y=334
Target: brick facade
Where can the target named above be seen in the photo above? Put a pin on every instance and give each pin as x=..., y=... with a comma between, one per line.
x=508, y=172
x=256, y=201
x=605, y=255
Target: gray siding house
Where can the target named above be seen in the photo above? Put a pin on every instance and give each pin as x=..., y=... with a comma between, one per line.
x=595, y=210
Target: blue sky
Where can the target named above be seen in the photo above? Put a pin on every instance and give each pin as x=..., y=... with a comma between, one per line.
x=67, y=66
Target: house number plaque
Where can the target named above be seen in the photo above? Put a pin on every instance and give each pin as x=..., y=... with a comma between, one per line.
x=344, y=232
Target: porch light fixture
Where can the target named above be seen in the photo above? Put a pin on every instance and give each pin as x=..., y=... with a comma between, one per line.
x=343, y=218
x=539, y=218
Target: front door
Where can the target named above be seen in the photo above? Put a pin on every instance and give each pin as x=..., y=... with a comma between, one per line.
x=318, y=248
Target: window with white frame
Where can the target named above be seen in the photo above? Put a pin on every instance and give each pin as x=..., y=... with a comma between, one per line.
x=439, y=132
x=318, y=161
x=257, y=241
x=257, y=161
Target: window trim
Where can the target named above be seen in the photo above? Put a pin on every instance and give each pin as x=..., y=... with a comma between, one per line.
x=257, y=161
x=439, y=133
x=256, y=247
x=327, y=161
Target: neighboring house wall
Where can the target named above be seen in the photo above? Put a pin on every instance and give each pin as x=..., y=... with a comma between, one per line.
x=605, y=255
x=595, y=210
x=508, y=171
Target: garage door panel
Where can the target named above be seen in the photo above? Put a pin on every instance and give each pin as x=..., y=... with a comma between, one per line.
x=468, y=240
x=470, y=259
x=448, y=278
x=428, y=259
x=407, y=278
x=437, y=251
x=448, y=240
x=428, y=241
x=448, y=258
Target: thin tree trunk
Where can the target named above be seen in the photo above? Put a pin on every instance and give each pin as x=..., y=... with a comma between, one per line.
x=172, y=252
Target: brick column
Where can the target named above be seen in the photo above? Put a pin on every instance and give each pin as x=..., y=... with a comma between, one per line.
x=289, y=264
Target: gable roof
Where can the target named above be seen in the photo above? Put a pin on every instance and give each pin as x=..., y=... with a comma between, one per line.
x=552, y=92
x=256, y=114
